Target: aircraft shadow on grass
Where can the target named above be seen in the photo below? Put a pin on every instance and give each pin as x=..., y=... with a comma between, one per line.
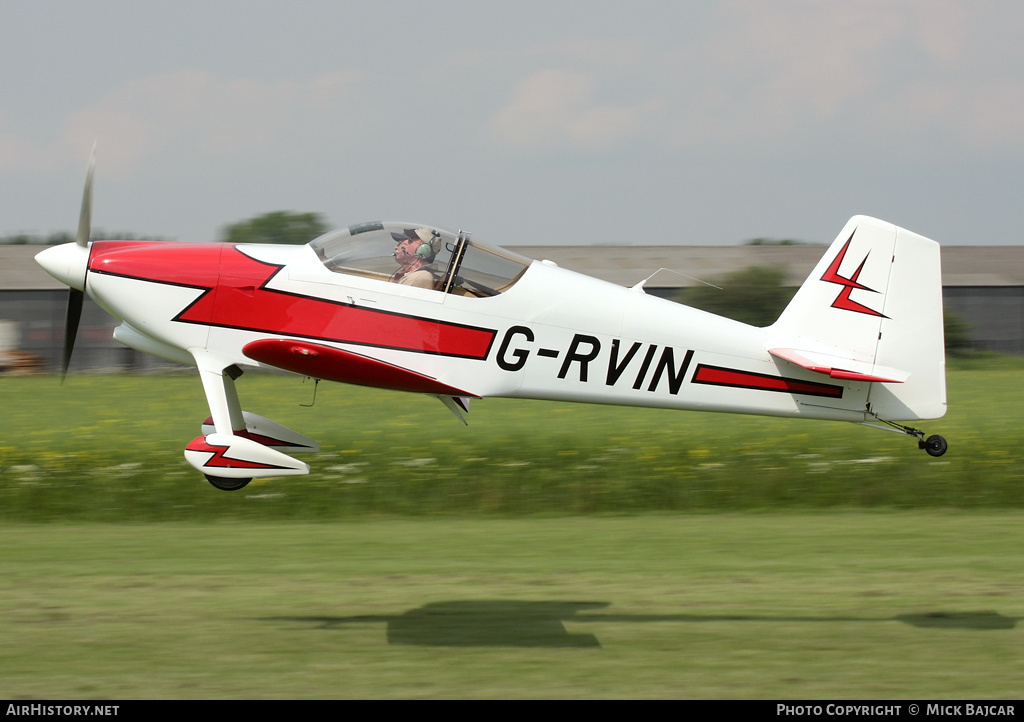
x=496, y=623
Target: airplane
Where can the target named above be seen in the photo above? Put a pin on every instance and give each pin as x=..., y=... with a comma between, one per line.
x=416, y=308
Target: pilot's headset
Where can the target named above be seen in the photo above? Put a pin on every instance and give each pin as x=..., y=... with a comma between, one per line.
x=430, y=242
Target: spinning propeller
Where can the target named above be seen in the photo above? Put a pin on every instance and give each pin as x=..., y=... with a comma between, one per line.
x=69, y=263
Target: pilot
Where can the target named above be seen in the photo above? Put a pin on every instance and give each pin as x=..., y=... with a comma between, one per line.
x=415, y=252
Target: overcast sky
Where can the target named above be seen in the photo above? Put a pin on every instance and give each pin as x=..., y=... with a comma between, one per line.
x=698, y=123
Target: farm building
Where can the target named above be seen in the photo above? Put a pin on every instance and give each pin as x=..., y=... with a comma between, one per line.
x=984, y=285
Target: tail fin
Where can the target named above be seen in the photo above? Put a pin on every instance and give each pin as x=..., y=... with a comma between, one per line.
x=871, y=310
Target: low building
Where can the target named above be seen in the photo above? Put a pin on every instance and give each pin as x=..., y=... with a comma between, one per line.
x=984, y=285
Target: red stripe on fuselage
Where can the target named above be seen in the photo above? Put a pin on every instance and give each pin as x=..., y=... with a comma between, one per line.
x=236, y=297
x=718, y=376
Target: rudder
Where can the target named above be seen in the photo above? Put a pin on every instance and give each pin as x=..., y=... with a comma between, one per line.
x=912, y=335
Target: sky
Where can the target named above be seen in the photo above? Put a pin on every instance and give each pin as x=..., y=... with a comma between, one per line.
x=526, y=123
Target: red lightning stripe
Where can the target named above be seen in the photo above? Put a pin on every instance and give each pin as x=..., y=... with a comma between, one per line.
x=235, y=295
x=843, y=300
x=220, y=461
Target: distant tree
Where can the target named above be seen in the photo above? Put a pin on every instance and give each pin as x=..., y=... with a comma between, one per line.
x=958, y=333
x=276, y=227
x=774, y=242
x=21, y=239
x=754, y=295
x=55, y=239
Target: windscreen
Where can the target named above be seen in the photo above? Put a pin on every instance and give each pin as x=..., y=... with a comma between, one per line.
x=423, y=256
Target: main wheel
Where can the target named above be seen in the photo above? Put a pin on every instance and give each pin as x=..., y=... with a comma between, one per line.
x=935, y=446
x=225, y=484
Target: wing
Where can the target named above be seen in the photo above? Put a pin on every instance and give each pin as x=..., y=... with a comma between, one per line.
x=333, y=364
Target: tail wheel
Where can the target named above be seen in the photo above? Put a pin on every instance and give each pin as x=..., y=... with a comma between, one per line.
x=935, y=445
x=225, y=484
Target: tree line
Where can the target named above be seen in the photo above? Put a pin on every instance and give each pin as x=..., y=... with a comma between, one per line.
x=274, y=227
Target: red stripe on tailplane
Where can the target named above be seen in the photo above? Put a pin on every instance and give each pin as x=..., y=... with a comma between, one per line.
x=236, y=296
x=719, y=376
x=333, y=364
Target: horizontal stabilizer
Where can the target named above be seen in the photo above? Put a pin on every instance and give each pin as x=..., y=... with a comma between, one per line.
x=841, y=368
x=334, y=364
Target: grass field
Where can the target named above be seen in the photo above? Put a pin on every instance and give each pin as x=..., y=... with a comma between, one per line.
x=547, y=550
x=109, y=448
x=897, y=605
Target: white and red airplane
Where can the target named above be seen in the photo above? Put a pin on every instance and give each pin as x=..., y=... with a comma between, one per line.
x=411, y=307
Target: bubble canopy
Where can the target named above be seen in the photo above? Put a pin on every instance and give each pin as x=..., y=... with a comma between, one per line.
x=444, y=261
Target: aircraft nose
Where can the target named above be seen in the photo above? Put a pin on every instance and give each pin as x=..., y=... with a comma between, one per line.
x=67, y=263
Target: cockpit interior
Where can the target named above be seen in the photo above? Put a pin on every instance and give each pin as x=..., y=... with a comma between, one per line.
x=456, y=264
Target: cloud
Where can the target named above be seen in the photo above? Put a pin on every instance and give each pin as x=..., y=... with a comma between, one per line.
x=909, y=75
x=557, y=107
x=768, y=74
x=996, y=117
x=767, y=78
x=217, y=115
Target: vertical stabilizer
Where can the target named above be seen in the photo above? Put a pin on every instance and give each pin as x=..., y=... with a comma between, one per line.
x=872, y=310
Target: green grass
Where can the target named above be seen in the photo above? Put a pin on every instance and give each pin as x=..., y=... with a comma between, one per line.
x=895, y=605
x=110, y=449
x=459, y=563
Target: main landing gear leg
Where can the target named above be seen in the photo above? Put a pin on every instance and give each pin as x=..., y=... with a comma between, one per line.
x=226, y=412
x=229, y=460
